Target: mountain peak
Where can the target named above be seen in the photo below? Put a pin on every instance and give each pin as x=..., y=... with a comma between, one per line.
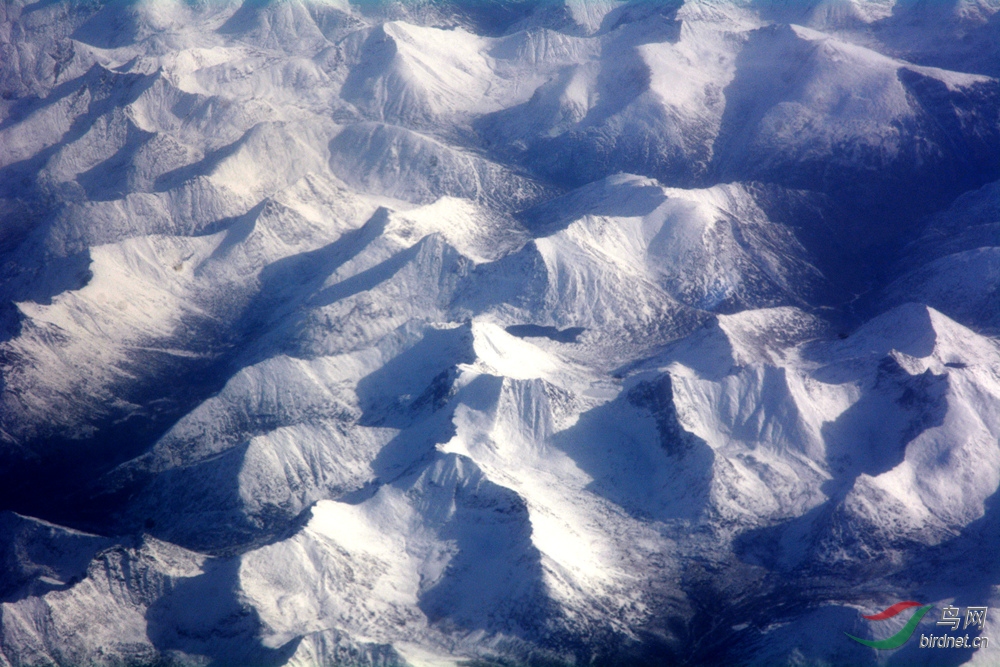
x=508, y=332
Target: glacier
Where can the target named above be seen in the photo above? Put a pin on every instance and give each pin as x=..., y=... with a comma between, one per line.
x=409, y=333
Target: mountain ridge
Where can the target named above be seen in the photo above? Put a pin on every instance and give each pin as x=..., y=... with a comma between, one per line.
x=415, y=333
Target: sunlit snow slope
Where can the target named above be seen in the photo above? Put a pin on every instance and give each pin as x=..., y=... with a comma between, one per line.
x=559, y=332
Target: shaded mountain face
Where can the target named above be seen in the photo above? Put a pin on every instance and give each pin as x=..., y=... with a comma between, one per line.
x=515, y=332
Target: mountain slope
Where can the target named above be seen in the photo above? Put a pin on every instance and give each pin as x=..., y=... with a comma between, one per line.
x=514, y=332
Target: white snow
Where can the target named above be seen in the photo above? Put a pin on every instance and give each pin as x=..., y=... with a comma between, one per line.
x=438, y=379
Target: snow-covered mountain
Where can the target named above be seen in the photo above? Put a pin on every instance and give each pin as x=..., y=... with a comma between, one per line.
x=607, y=332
